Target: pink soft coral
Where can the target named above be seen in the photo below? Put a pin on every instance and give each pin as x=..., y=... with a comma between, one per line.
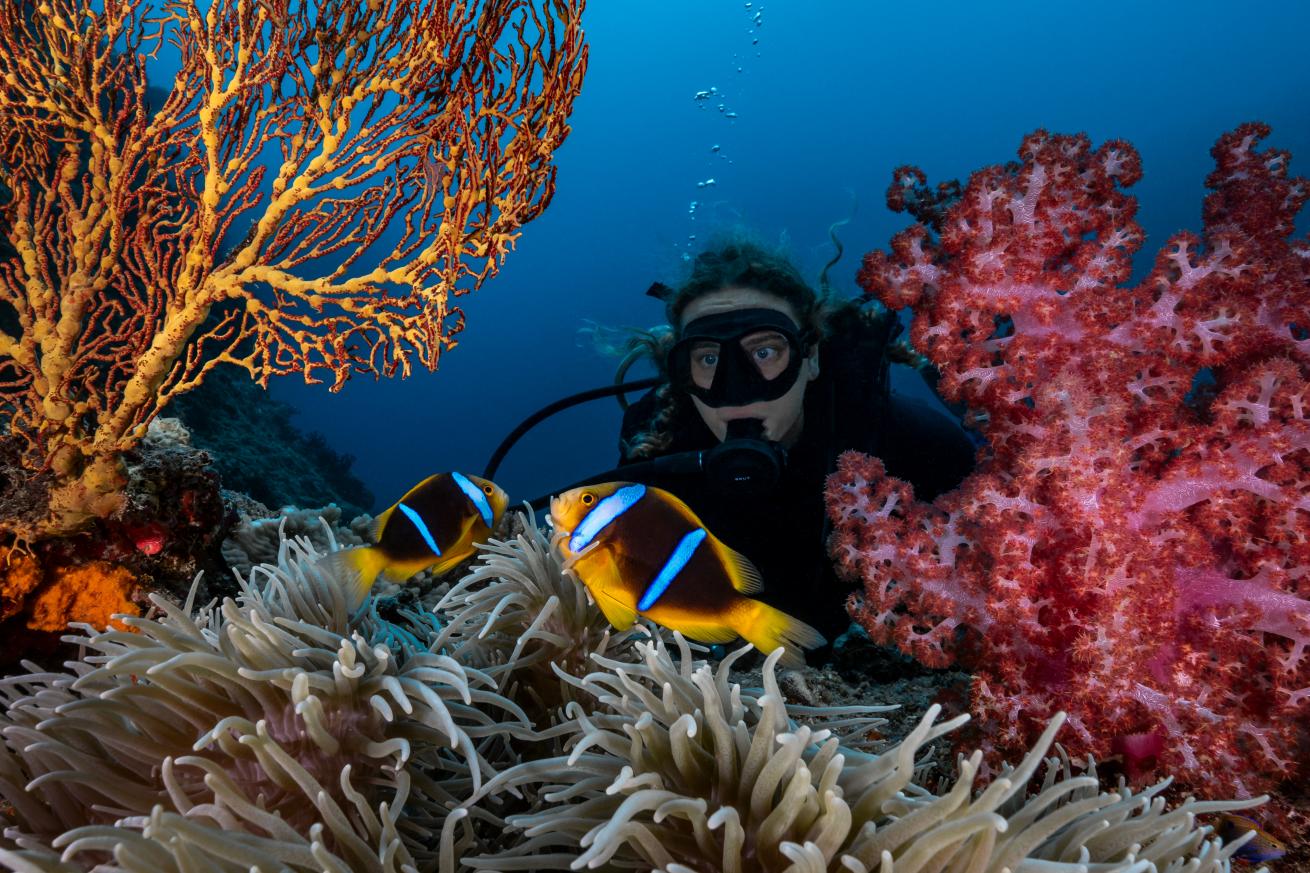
x=1133, y=548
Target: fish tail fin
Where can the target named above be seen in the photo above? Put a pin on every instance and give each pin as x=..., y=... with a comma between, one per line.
x=356, y=570
x=767, y=628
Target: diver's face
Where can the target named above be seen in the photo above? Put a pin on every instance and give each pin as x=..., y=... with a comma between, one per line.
x=782, y=417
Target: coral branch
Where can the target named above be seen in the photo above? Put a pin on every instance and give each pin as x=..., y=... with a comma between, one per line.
x=318, y=184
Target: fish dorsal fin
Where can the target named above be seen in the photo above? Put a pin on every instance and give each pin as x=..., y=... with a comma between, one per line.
x=379, y=522
x=744, y=575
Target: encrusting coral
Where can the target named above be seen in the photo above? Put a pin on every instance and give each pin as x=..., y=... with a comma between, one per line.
x=255, y=541
x=281, y=731
x=49, y=598
x=20, y=575
x=168, y=530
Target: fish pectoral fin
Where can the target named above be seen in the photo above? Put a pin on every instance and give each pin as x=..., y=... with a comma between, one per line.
x=744, y=575
x=704, y=632
x=450, y=560
x=616, y=613
x=465, y=533
x=460, y=550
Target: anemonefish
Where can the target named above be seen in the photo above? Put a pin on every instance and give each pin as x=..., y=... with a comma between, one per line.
x=642, y=551
x=1260, y=848
x=435, y=525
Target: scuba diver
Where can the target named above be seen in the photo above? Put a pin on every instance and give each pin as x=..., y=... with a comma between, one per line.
x=762, y=382
x=755, y=354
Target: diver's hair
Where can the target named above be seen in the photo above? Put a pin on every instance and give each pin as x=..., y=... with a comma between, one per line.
x=738, y=262
x=656, y=438
x=727, y=262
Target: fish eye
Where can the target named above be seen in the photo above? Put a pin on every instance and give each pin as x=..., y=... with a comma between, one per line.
x=486, y=488
x=588, y=499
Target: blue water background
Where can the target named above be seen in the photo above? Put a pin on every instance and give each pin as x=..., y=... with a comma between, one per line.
x=829, y=97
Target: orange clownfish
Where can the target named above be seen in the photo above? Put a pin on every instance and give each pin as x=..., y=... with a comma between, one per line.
x=642, y=551
x=435, y=525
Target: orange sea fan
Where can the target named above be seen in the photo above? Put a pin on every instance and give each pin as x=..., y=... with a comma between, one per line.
x=319, y=182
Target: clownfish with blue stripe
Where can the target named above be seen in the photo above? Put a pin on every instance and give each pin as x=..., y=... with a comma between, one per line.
x=434, y=526
x=642, y=551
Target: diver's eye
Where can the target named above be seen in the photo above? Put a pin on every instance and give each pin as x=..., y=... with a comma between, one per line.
x=769, y=351
x=588, y=499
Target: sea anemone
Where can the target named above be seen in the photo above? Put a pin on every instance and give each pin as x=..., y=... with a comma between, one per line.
x=270, y=729
x=282, y=730
x=678, y=770
x=520, y=619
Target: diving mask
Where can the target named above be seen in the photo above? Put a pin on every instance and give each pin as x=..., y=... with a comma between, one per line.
x=737, y=358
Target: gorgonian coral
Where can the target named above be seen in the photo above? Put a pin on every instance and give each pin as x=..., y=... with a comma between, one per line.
x=318, y=185
x=677, y=769
x=272, y=729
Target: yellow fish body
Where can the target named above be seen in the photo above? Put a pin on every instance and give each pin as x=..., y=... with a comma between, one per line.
x=435, y=525
x=642, y=551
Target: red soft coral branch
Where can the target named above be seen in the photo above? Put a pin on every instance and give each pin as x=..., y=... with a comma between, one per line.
x=1134, y=546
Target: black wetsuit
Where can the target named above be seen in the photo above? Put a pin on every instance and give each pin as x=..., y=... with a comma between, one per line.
x=784, y=532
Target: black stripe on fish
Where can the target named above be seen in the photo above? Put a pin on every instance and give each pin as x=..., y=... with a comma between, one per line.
x=441, y=505
x=644, y=538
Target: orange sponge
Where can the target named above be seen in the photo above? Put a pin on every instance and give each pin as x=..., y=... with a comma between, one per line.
x=86, y=592
x=19, y=577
